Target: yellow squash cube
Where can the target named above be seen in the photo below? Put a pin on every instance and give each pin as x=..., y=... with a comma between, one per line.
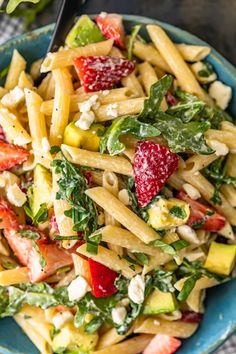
x=220, y=258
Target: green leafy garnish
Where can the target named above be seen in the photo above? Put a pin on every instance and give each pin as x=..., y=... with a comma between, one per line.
x=134, y=32
x=142, y=257
x=4, y=72
x=9, y=265
x=163, y=281
x=29, y=234
x=41, y=215
x=72, y=186
x=178, y=212
x=55, y=149
x=188, y=287
x=206, y=71
x=166, y=248
x=179, y=244
x=66, y=238
x=125, y=125
x=93, y=325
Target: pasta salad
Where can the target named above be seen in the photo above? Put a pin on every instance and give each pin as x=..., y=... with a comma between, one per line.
x=117, y=191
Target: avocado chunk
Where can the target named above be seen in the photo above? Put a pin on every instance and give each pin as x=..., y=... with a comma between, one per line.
x=42, y=188
x=74, y=340
x=85, y=139
x=166, y=213
x=220, y=258
x=84, y=32
x=159, y=302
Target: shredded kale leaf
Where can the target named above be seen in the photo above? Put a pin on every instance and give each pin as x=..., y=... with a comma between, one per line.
x=216, y=172
x=206, y=71
x=163, y=281
x=178, y=212
x=41, y=215
x=181, y=135
x=72, y=186
x=33, y=236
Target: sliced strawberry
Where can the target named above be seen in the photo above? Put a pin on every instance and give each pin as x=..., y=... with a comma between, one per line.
x=153, y=165
x=54, y=257
x=162, y=344
x=11, y=155
x=111, y=26
x=22, y=246
x=2, y=135
x=53, y=223
x=202, y=216
x=101, y=72
x=8, y=219
x=191, y=317
x=171, y=100
x=103, y=279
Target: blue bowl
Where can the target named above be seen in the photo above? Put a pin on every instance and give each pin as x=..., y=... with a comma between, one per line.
x=220, y=318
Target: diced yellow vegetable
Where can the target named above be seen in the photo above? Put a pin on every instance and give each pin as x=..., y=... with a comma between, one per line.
x=165, y=214
x=159, y=302
x=220, y=258
x=85, y=139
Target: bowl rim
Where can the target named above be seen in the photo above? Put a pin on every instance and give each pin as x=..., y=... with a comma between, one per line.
x=189, y=38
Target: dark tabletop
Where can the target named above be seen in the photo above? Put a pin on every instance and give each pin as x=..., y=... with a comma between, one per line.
x=212, y=20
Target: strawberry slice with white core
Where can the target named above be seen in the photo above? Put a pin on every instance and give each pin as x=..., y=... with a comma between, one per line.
x=111, y=26
x=12, y=155
x=103, y=279
x=54, y=258
x=202, y=216
x=153, y=165
x=101, y=72
x=162, y=344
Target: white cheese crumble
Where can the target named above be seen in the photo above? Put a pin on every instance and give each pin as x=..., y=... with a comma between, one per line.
x=61, y=318
x=118, y=314
x=220, y=148
x=13, y=98
x=45, y=145
x=136, y=289
x=192, y=192
x=221, y=93
x=112, y=110
x=78, y=288
x=105, y=92
x=15, y=195
x=87, y=117
x=187, y=234
x=197, y=67
x=124, y=196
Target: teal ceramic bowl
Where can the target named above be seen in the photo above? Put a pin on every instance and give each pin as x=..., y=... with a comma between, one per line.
x=220, y=318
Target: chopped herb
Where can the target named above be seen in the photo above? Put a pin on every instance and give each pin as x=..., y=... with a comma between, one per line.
x=55, y=149
x=163, y=280
x=42, y=260
x=9, y=265
x=134, y=33
x=178, y=212
x=41, y=215
x=198, y=224
x=4, y=72
x=93, y=325
x=179, y=244
x=27, y=317
x=63, y=269
x=66, y=238
x=216, y=198
x=206, y=71
x=29, y=234
x=92, y=247
x=54, y=331
x=130, y=260
x=164, y=247
x=188, y=287
x=210, y=212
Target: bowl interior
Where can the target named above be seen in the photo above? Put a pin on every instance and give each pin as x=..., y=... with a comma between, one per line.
x=220, y=317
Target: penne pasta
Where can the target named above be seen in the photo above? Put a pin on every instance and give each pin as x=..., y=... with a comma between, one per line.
x=17, y=65
x=193, y=53
x=61, y=107
x=122, y=214
x=110, y=259
x=65, y=57
x=196, y=163
x=133, y=84
x=226, y=137
x=81, y=266
x=96, y=160
x=47, y=89
x=25, y=81
x=111, y=337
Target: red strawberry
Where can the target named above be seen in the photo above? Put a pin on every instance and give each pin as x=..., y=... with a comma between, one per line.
x=2, y=135
x=153, y=165
x=11, y=155
x=54, y=257
x=22, y=246
x=101, y=72
x=112, y=27
x=53, y=223
x=8, y=219
x=202, y=216
x=191, y=317
x=103, y=279
x=171, y=100
x=162, y=344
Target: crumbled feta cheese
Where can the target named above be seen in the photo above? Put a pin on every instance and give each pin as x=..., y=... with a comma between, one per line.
x=103, y=14
x=61, y=318
x=112, y=110
x=124, y=196
x=221, y=93
x=136, y=289
x=13, y=98
x=105, y=92
x=78, y=288
x=118, y=314
x=87, y=105
x=187, y=234
x=85, y=120
x=45, y=145
x=15, y=195
x=200, y=66
x=220, y=148
x=192, y=192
